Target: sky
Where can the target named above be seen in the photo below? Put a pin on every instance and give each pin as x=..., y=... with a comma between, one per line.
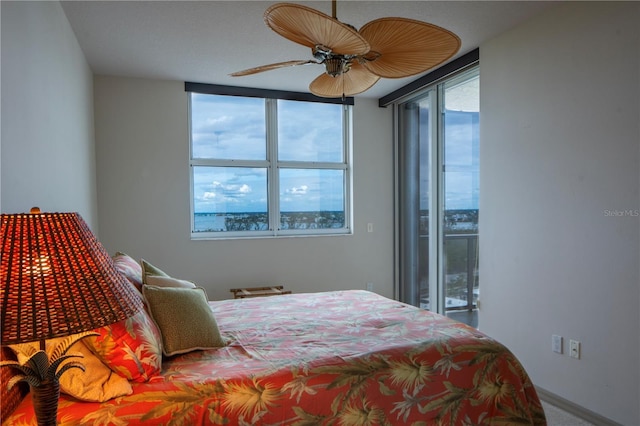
x=461, y=146
x=232, y=128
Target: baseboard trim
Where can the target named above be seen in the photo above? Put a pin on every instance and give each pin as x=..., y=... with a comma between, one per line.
x=574, y=408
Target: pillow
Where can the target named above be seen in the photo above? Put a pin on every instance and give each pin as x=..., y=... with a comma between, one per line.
x=150, y=270
x=184, y=318
x=128, y=267
x=159, y=281
x=132, y=347
x=97, y=383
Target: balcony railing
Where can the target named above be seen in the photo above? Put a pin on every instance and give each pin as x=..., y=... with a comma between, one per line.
x=470, y=273
x=462, y=278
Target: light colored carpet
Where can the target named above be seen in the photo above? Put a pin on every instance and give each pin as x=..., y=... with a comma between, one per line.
x=559, y=417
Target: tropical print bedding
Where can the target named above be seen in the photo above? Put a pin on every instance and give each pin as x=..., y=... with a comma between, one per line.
x=334, y=358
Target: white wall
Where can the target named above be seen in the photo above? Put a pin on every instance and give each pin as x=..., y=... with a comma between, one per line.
x=560, y=145
x=560, y=154
x=48, y=157
x=142, y=143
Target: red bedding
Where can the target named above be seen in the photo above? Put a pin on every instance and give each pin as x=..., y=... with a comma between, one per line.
x=334, y=358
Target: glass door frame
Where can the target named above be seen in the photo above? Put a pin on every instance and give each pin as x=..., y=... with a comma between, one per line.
x=437, y=262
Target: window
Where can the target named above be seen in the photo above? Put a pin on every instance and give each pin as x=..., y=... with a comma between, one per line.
x=268, y=167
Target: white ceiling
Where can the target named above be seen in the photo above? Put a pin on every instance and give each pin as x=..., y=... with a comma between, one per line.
x=204, y=41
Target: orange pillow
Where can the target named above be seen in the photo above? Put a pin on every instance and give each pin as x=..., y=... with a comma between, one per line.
x=132, y=347
x=96, y=383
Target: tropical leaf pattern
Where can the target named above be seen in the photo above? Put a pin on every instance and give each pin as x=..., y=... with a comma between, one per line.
x=334, y=358
x=131, y=347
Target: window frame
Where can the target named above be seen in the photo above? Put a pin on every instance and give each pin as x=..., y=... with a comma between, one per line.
x=273, y=165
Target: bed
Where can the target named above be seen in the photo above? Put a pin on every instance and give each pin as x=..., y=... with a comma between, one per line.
x=332, y=358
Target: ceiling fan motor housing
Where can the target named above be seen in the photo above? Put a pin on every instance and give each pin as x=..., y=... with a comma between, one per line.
x=336, y=65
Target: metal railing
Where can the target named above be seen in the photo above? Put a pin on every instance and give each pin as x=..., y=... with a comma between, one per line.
x=472, y=279
x=469, y=272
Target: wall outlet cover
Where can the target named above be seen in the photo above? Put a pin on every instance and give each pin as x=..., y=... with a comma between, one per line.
x=556, y=343
x=574, y=349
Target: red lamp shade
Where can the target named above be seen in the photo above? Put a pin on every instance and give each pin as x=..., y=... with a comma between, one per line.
x=56, y=279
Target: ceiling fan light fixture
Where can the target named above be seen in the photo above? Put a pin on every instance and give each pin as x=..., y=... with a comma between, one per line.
x=336, y=66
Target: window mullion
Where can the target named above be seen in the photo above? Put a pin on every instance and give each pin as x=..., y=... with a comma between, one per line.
x=311, y=165
x=436, y=222
x=346, y=161
x=230, y=163
x=273, y=180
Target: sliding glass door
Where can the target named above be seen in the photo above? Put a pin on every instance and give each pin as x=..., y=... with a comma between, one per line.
x=438, y=191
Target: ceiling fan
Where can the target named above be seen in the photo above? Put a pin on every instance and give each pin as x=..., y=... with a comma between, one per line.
x=355, y=60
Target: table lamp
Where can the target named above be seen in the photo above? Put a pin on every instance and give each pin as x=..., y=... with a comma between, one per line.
x=56, y=280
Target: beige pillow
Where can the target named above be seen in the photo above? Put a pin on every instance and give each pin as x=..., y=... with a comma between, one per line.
x=97, y=383
x=159, y=281
x=184, y=318
x=149, y=270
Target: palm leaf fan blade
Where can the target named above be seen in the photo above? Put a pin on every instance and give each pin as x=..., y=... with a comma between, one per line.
x=407, y=47
x=269, y=67
x=356, y=80
x=310, y=28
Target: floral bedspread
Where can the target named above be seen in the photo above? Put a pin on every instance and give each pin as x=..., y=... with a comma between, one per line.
x=334, y=358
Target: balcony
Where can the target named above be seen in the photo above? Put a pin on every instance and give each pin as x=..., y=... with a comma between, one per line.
x=461, y=279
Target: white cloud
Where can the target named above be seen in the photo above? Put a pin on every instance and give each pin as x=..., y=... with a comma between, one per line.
x=298, y=190
x=222, y=192
x=210, y=121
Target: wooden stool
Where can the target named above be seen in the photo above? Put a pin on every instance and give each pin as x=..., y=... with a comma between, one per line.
x=241, y=293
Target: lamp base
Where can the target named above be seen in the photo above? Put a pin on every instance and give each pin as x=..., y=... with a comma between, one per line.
x=45, y=402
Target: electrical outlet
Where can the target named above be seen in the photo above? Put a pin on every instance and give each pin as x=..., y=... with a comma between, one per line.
x=369, y=286
x=574, y=349
x=556, y=343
